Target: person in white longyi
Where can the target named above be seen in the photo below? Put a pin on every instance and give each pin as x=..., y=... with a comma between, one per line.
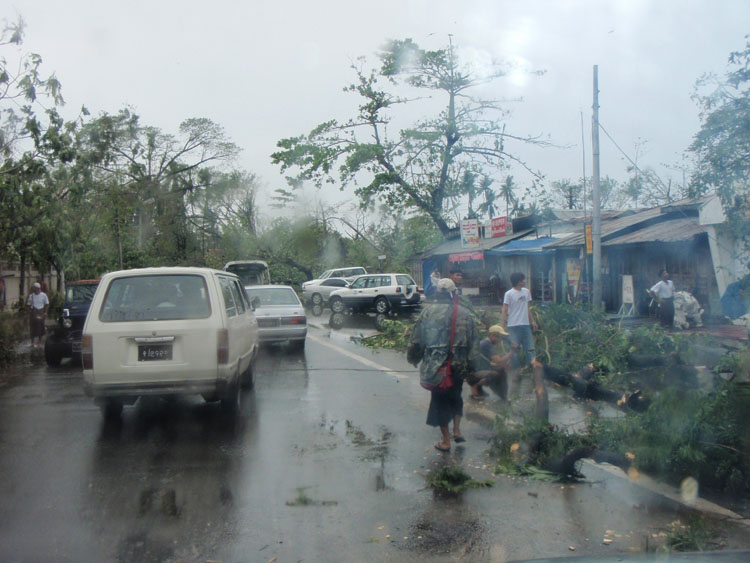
x=37, y=304
x=663, y=292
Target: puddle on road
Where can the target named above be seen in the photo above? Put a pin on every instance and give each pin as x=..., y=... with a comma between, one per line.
x=447, y=528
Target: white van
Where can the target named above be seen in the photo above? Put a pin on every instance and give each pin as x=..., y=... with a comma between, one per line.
x=168, y=331
x=251, y=272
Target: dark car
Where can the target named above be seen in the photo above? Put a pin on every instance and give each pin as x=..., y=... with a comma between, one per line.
x=64, y=340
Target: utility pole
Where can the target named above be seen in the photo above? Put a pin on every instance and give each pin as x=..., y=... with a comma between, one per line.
x=596, y=217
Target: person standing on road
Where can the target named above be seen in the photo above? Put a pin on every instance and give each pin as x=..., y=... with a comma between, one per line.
x=663, y=292
x=430, y=342
x=37, y=304
x=517, y=318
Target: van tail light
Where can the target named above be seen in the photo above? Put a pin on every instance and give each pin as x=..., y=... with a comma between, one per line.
x=222, y=350
x=398, y=289
x=294, y=320
x=87, y=351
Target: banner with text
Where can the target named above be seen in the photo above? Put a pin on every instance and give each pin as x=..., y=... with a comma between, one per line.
x=470, y=232
x=497, y=226
x=466, y=256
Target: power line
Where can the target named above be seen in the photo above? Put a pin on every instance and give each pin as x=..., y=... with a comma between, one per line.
x=628, y=157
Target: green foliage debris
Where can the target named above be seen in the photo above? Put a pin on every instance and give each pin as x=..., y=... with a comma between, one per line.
x=694, y=535
x=533, y=448
x=394, y=335
x=684, y=433
x=12, y=330
x=303, y=500
x=453, y=479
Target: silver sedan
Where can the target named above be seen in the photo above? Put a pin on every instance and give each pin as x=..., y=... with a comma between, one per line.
x=281, y=317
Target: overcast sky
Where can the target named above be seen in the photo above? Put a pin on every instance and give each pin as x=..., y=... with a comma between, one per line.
x=271, y=69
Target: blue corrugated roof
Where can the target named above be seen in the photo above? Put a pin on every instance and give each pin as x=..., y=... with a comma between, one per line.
x=528, y=246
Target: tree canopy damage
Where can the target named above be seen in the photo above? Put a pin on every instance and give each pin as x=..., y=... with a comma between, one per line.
x=674, y=419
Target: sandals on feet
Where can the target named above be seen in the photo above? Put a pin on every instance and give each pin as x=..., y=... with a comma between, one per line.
x=439, y=446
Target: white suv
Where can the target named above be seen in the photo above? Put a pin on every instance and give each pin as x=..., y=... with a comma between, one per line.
x=168, y=331
x=378, y=292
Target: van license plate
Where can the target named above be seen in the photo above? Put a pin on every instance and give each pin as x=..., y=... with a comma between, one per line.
x=154, y=352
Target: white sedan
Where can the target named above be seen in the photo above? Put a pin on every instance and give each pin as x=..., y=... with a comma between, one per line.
x=281, y=317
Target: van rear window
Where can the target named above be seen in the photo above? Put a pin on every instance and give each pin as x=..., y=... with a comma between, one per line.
x=155, y=298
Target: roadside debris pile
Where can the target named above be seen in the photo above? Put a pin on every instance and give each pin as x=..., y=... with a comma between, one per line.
x=393, y=335
x=672, y=427
x=453, y=479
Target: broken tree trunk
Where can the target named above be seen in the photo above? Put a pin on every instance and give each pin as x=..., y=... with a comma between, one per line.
x=587, y=388
x=540, y=390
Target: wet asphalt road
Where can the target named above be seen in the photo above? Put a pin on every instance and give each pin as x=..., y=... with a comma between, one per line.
x=326, y=463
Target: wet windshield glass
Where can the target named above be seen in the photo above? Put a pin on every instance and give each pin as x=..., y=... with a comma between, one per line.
x=534, y=220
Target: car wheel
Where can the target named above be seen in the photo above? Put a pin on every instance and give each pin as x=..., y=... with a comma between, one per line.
x=337, y=305
x=317, y=310
x=381, y=305
x=52, y=353
x=336, y=321
x=379, y=321
x=230, y=403
x=298, y=345
x=111, y=409
x=317, y=299
x=247, y=380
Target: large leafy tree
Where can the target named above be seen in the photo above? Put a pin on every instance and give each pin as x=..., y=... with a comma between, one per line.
x=420, y=167
x=152, y=178
x=722, y=145
x=34, y=142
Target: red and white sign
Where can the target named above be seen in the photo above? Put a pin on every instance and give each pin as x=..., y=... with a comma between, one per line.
x=466, y=256
x=497, y=226
x=470, y=232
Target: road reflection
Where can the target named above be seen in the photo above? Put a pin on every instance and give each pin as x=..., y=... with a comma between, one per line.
x=163, y=480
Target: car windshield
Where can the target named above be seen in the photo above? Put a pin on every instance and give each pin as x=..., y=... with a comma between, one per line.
x=575, y=173
x=272, y=296
x=83, y=293
x=157, y=297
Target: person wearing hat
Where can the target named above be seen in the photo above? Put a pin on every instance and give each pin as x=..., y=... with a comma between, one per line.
x=492, y=365
x=37, y=303
x=428, y=348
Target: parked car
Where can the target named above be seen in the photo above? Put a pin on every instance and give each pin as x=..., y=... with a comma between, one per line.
x=64, y=340
x=281, y=317
x=168, y=331
x=378, y=292
x=317, y=292
x=250, y=272
x=348, y=274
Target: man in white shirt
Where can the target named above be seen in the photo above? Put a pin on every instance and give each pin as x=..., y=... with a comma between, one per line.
x=663, y=292
x=38, y=303
x=517, y=318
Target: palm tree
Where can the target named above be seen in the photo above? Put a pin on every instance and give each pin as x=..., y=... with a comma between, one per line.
x=490, y=196
x=506, y=191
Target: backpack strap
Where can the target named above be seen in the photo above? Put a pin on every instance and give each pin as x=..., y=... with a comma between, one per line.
x=453, y=327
